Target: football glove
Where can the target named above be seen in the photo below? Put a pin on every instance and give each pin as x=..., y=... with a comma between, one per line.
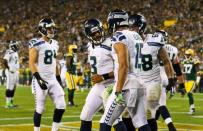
x=119, y=99
x=42, y=83
x=171, y=83
x=59, y=80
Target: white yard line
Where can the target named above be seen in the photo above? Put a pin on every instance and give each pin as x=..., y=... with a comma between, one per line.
x=29, y=118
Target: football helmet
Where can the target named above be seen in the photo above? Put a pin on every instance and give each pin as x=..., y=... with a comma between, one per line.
x=13, y=45
x=164, y=34
x=189, y=53
x=47, y=27
x=72, y=49
x=139, y=21
x=94, y=31
x=116, y=19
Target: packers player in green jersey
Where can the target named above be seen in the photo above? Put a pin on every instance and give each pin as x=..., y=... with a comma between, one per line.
x=190, y=66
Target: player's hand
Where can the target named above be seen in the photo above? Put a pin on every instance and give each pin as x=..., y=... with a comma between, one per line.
x=171, y=83
x=119, y=99
x=59, y=80
x=42, y=83
x=181, y=89
x=97, y=78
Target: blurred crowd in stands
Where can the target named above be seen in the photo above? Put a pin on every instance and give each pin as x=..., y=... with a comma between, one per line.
x=182, y=19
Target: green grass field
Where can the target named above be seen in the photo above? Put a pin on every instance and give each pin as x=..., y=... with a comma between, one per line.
x=20, y=119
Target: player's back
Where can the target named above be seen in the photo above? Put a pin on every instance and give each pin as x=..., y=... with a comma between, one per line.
x=46, y=62
x=134, y=42
x=172, y=51
x=150, y=60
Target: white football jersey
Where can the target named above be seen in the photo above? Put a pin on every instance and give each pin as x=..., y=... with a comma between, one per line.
x=12, y=59
x=134, y=42
x=172, y=51
x=47, y=51
x=100, y=57
x=150, y=62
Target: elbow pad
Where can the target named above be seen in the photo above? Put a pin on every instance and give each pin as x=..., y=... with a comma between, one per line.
x=177, y=69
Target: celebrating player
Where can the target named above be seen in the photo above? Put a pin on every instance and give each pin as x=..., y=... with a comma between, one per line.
x=99, y=55
x=128, y=90
x=46, y=79
x=11, y=63
x=152, y=52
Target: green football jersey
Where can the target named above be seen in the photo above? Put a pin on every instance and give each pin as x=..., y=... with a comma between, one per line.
x=190, y=68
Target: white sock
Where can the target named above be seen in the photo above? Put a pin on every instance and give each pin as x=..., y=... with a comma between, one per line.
x=55, y=126
x=36, y=128
x=192, y=106
x=8, y=99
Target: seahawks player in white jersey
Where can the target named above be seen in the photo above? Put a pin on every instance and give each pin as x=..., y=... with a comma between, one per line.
x=151, y=53
x=128, y=90
x=173, y=54
x=101, y=61
x=11, y=63
x=46, y=76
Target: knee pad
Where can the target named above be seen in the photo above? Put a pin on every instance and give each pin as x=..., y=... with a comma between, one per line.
x=60, y=103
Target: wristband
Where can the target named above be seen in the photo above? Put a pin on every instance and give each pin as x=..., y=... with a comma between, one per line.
x=106, y=76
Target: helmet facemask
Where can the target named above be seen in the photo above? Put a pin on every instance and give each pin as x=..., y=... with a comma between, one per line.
x=97, y=35
x=47, y=28
x=14, y=46
x=94, y=31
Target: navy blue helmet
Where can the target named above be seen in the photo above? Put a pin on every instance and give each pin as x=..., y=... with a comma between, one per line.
x=138, y=20
x=94, y=31
x=117, y=18
x=44, y=25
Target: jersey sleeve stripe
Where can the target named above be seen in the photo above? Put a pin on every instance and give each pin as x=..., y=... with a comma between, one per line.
x=106, y=47
x=154, y=44
x=39, y=43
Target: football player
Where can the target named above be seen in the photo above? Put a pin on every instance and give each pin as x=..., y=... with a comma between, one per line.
x=101, y=62
x=128, y=90
x=173, y=55
x=152, y=52
x=191, y=67
x=11, y=63
x=71, y=74
x=46, y=76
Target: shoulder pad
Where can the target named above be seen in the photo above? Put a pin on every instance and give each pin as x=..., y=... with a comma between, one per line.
x=118, y=36
x=9, y=51
x=155, y=40
x=35, y=42
x=171, y=48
